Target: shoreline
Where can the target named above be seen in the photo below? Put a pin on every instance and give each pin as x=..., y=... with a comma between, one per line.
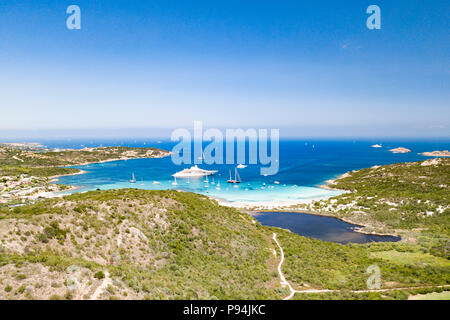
x=266, y=206
x=81, y=171
x=53, y=179
x=359, y=225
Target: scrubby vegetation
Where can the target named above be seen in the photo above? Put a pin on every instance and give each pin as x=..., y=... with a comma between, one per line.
x=178, y=245
x=138, y=244
x=159, y=245
x=404, y=195
x=411, y=200
x=320, y=264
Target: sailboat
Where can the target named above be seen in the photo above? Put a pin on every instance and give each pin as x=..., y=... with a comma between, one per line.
x=133, y=179
x=174, y=183
x=237, y=179
x=202, y=157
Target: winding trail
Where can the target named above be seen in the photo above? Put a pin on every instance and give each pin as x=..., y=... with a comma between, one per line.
x=284, y=282
x=283, y=279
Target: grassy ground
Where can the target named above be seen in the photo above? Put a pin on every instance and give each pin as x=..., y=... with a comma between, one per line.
x=432, y=296
x=411, y=258
x=178, y=245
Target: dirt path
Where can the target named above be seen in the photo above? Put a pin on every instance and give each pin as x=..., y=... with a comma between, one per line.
x=101, y=288
x=284, y=282
x=283, y=279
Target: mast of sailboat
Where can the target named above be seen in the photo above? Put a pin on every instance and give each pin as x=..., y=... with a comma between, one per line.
x=237, y=178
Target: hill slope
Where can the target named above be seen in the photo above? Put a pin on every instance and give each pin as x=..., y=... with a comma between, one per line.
x=154, y=244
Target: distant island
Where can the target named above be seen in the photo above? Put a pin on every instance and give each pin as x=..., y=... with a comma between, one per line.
x=400, y=150
x=444, y=153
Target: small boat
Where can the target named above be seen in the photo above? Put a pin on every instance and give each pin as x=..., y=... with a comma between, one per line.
x=276, y=182
x=236, y=179
x=175, y=181
x=241, y=166
x=133, y=179
x=156, y=182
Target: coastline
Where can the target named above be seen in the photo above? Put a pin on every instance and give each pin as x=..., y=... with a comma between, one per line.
x=55, y=178
x=287, y=206
x=252, y=207
x=115, y=159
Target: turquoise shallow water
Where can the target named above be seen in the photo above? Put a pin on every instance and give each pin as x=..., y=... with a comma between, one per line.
x=151, y=176
x=304, y=164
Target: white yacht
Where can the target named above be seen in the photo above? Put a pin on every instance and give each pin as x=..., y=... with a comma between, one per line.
x=193, y=171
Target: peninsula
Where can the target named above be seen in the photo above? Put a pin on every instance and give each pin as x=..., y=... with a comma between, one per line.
x=27, y=170
x=444, y=153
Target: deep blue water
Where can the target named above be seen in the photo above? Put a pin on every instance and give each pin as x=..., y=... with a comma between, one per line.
x=319, y=227
x=303, y=165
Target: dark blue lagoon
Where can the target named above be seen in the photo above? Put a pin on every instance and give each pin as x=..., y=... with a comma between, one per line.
x=319, y=227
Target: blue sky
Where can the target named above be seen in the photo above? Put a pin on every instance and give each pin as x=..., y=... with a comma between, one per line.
x=306, y=66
